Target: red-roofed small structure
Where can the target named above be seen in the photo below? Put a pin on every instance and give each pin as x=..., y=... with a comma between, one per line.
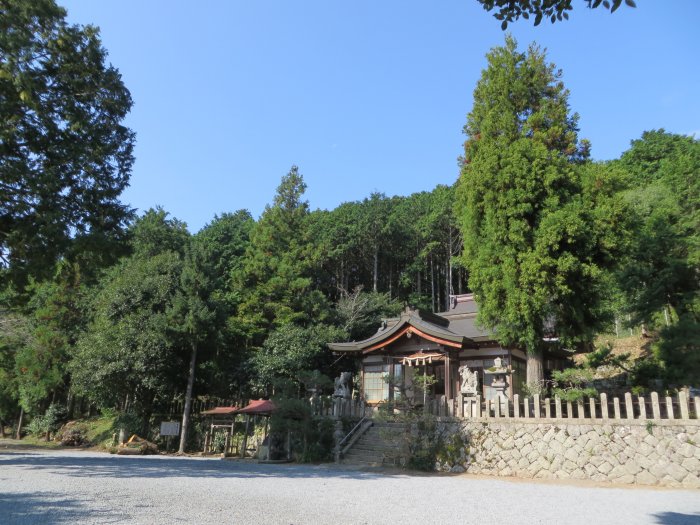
x=260, y=407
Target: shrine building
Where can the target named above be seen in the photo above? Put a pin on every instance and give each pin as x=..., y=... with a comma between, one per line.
x=439, y=345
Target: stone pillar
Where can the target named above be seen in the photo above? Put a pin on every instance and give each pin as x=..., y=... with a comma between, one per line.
x=655, y=405
x=591, y=404
x=642, y=407
x=683, y=402
x=569, y=410
x=337, y=437
x=629, y=407
x=536, y=405
x=516, y=405
x=478, y=406
x=580, y=410
x=526, y=408
x=616, y=408
x=547, y=408
x=696, y=402
x=669, y=407
x=557, y=407
x=604, y=406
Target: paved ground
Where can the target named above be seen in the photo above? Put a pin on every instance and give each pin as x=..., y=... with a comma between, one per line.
x=51, y=487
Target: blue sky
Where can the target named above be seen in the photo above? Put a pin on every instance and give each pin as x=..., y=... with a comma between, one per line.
x=363, y=95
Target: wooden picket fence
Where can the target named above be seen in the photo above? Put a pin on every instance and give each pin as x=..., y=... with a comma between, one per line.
x=629, y=407
x=680, y=406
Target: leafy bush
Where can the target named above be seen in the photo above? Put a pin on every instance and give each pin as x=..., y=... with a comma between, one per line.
x=48, y=423
x=572, y=384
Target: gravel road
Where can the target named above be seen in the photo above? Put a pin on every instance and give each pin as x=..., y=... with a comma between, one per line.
x=50, y=487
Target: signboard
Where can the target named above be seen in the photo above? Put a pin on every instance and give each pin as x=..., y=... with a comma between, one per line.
x=170, y=428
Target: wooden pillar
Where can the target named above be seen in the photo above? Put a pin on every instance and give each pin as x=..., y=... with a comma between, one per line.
x=448, y=377
x=245, y=435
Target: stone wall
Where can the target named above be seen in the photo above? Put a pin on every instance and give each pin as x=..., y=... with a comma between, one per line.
x=642, y=452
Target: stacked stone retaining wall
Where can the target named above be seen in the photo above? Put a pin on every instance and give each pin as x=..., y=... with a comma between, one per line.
x=648, y=452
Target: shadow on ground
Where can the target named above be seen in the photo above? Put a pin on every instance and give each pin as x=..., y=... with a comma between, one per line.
x=48, y=508
x=165, y=467
x=676, y=518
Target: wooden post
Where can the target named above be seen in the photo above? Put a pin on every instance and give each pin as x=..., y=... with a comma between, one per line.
x=557, y=407
x=536, y=405
x=669, y=407
x=244, y=447
x=642, y=407
x=655, y=405
x=683, y=402
x=591, y=404
x=516, y=405
x=604, y=406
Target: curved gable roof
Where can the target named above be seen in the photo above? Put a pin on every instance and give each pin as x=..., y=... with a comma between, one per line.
x=427, y=325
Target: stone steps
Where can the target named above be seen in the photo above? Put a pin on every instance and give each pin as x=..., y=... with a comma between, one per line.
x=377, y=447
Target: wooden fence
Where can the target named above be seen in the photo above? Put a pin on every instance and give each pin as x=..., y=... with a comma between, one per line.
x=628, y=407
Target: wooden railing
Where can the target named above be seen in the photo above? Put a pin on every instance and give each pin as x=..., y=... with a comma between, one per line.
x=628, y=407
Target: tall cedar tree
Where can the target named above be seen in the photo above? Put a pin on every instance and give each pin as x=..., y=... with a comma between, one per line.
x=276, y=279
x=530, y=242
x=65, y=157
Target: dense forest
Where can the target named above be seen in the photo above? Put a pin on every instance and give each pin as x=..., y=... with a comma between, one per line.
x=102, y=308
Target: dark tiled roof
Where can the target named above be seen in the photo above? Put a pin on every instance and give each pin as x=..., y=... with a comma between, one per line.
x=431, y=324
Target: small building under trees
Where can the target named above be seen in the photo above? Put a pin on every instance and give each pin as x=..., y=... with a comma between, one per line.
x=428, y=355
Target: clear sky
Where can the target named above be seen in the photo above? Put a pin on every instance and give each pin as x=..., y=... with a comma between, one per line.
x=363, y=95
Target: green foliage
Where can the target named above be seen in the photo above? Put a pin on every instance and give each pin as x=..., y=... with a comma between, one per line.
x=49, y=422
x=604, y=356
x=291, y=350
x=533, y=246
x=65, y=156
x=312, y=437
x=56, y=320
x=571, y=384
x=359, y=313
x=130, y=347
x=553, y=10
x=660, y=270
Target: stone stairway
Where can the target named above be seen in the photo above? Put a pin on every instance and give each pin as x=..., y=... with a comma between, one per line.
x=379, y=446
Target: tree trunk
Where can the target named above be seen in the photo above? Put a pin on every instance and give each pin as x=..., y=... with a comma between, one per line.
x=432, y=283
x=375, y=276
x=188, y=401
x=535, y=366
x=19, y=423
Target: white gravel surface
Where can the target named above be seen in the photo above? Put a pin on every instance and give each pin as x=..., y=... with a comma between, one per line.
x=85, y=487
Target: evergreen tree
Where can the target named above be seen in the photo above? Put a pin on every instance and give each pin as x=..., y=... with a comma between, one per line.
x=530, y=243
x=276, y=281
x=65, y=156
